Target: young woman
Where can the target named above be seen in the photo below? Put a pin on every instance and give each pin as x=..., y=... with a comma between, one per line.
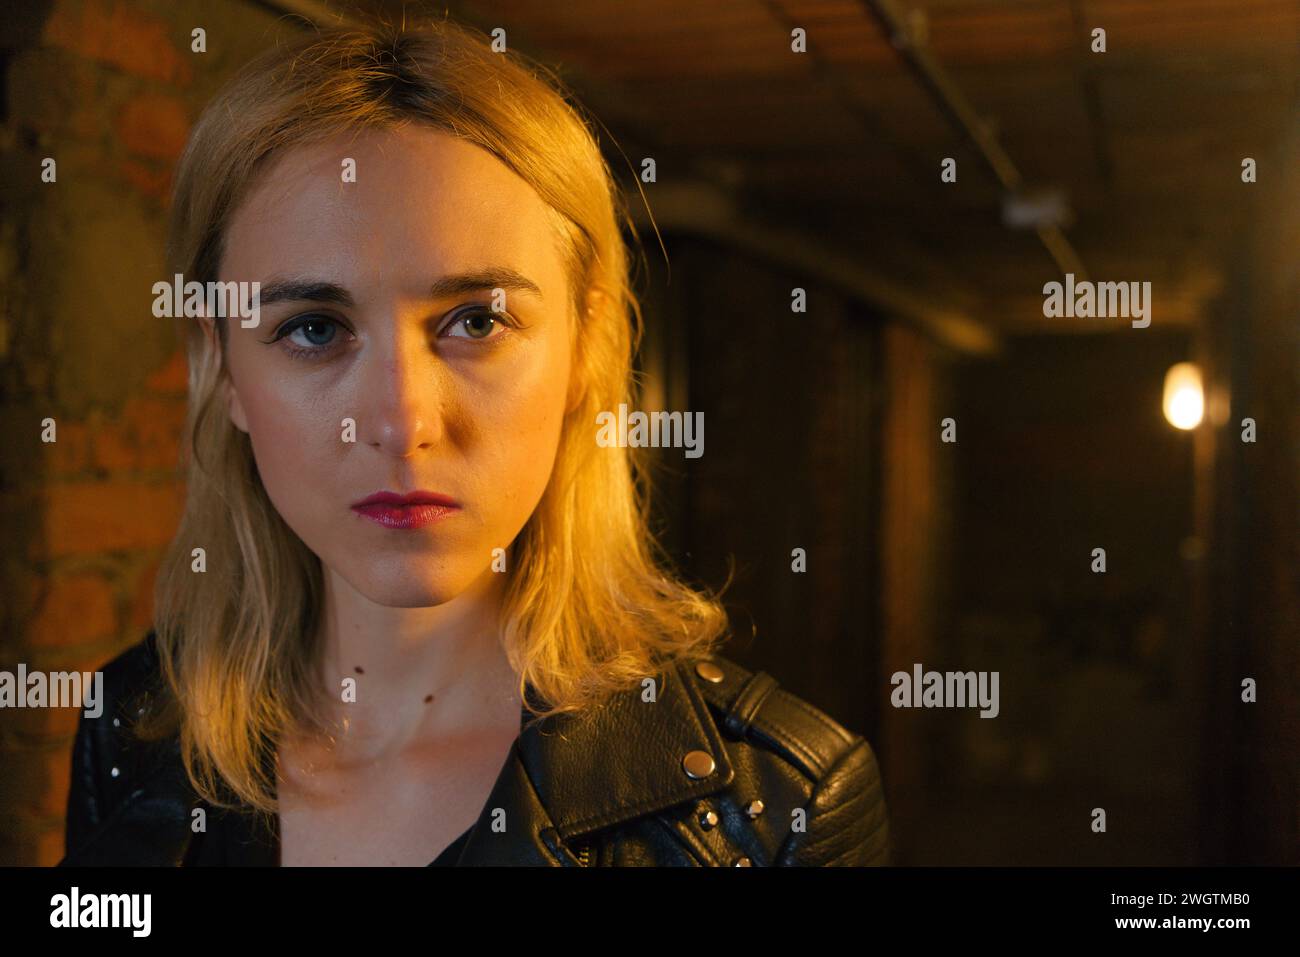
x=413, y=613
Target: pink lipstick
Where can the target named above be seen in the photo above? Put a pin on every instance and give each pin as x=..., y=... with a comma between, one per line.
x=411, y=510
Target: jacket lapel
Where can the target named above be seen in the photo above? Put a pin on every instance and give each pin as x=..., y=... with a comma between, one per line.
x=626, y=759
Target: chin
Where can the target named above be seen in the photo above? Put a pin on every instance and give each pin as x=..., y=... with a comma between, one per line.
x=412, y=592
x=407, y=583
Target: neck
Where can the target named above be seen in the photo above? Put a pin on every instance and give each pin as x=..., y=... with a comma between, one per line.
x=420, y=674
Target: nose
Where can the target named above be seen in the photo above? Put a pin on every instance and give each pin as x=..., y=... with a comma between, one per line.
x=400, y=394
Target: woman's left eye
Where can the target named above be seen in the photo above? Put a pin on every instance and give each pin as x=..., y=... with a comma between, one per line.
x=477, y=324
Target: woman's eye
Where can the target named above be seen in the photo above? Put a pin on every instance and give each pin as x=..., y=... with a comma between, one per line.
x=479, y=324
x=316, y=331
x=308, y=334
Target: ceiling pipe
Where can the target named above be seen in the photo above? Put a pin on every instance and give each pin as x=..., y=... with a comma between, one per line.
x=910, y=43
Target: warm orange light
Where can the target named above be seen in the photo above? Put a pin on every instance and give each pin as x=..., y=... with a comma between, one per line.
x=1184, y=402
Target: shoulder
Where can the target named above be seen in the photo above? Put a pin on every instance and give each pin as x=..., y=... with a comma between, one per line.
x=108, y=761
x=753, y=707
x=132, y=676
x=817, y=782
x=131, y=682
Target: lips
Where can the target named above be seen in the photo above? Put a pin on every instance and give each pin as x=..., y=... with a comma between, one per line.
x=412, y=510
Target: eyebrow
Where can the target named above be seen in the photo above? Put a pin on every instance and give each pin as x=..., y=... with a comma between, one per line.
x=314, y=290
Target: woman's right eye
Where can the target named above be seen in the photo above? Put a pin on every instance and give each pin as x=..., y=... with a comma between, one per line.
x=307, y=335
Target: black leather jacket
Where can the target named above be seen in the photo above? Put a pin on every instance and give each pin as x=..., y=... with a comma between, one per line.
x=711, y=774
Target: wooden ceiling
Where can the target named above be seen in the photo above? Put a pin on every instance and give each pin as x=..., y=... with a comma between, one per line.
x=842, y=145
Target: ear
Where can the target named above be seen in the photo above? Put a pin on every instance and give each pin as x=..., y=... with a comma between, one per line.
x=237, y=415
x=577, y=368
x=576, y=394
x=234, y=407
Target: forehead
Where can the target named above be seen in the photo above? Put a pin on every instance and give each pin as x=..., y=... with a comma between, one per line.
x=424, y=203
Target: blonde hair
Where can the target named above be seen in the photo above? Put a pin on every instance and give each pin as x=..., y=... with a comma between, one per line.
x=589, y=608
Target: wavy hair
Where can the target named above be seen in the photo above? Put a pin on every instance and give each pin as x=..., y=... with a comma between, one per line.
x=591, y=606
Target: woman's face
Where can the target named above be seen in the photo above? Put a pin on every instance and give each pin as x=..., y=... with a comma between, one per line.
x=377, y=309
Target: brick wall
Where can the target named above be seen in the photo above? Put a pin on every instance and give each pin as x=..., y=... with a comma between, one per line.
x=108, y=89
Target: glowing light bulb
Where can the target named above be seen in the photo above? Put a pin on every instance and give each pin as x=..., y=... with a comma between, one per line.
x=1184, y=401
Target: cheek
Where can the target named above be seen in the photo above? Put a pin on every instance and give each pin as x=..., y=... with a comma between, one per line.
x=292, y=439
x=518, y=417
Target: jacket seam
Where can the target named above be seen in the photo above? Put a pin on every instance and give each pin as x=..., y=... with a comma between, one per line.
x=811, y=762
x=849, y=805
x=809, y=759
x=819, y=788
x=684, y=837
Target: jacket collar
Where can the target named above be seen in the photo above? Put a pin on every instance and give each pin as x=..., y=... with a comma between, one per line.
x=565, y=776
x=625, y=759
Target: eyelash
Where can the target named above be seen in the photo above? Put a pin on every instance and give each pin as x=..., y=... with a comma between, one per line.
x=298, y=352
